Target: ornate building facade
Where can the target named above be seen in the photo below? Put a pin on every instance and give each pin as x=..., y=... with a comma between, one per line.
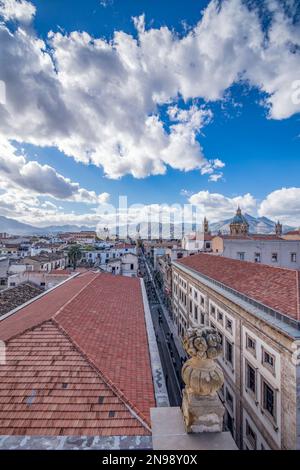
x=239, y=224
x=255, y=310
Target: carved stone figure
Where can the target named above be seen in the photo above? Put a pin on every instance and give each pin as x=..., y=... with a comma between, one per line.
x=203, y=377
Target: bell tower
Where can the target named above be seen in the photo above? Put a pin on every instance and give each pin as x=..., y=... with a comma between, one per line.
x=278, y=229
x=205, y=226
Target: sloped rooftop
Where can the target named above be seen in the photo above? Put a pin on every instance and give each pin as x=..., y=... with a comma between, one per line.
x=78, y=359
x=15, y=296
x=277, y=288
x=48, y=387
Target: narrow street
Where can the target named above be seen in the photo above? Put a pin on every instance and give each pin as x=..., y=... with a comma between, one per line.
x=171, y=360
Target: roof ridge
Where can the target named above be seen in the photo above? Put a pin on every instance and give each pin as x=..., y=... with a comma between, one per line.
x=30, y=328
x=129, y=405
x=75, y=295
x=217, y=255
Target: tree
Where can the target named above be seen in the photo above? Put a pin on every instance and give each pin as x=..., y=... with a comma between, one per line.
x=74, y=255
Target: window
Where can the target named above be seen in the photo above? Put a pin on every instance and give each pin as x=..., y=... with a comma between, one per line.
x=195, y=295
x=213, y=310
x=251, y=344
x=132, y=267
x=202, y=319
x=220, y=316
x=268, y=403
x=229, y=423
x=293, y=257
x=229, y=399
x=191, y=306
x=251, y=436
x=229, y=352
x=202, y=301
x=274, y=257
x=257, y=258
x=12, y=284
x=250, y=378
x=268, y=360
x=241, y=256
x=42, y=284
x=228, y=325
x=196, y=313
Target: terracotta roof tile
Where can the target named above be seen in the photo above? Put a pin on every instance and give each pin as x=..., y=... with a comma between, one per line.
x=277, y=288
x=44, y=308
x=15, y=296
x=82, y=345
x=66, y=401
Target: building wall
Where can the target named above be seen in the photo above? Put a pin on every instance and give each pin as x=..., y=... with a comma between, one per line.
x=251, y=425
x=129, y=265
x=102, y=256
x=291, y=236
x=41, y=279
x=248, y=250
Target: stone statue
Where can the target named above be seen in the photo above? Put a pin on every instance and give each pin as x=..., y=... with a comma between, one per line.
x=203, y=377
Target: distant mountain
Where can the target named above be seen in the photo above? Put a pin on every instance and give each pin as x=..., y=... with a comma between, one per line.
x=67, y=228
x=256, y=225
x=13, y=227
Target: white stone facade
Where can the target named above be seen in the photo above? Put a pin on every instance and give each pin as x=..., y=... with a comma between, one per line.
x=274, y=252
x=260, y=391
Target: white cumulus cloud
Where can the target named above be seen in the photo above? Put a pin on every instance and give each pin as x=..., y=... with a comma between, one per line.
x=282, y=204
x=100, y=101
x=19, y=10
x=17, y=172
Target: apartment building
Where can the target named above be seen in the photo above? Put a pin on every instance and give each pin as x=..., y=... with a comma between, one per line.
x=265, y=249
x=256, y=310
x=43, y=262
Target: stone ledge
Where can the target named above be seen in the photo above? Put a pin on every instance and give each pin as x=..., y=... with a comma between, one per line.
x=168, y=433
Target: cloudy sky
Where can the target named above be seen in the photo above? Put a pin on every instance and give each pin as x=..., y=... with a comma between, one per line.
x=165, y=102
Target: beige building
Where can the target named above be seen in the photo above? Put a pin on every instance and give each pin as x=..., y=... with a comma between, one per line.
x=292, y=235
x=256, y=310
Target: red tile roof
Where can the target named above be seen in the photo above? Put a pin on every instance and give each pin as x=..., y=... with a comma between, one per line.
x=277, y=288
x=15, y=296
x=293, y=232
x=251, y=237
x=93, y=324
x=47, y=387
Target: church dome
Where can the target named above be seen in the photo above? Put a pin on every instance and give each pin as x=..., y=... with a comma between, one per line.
x=239, y=218
x=239, y=224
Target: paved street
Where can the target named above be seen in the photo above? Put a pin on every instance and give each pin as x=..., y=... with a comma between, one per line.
x=171, y=360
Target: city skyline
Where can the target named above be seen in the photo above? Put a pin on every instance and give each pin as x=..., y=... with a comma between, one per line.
x=93, y=114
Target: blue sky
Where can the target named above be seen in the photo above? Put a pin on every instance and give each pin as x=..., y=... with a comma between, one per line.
x=257, y=141
x=260, y=154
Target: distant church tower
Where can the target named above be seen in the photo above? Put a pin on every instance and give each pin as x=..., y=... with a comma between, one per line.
x=278, y=229
x=239, y=224
x=206, y=226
